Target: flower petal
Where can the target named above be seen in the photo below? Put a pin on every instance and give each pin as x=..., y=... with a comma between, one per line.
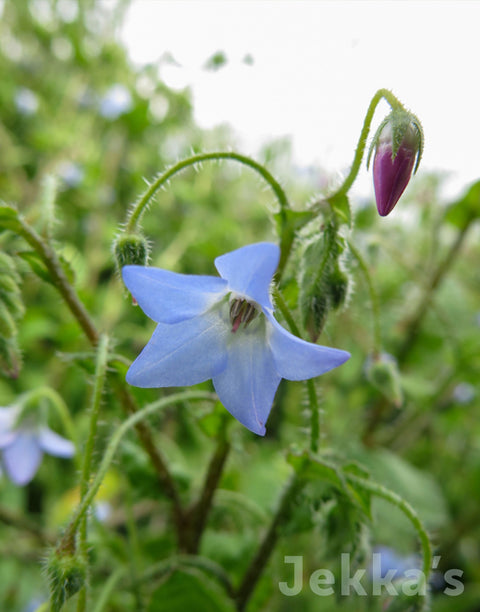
x=7, y=438
x=8, y=417
x=168, y=297
x=296, y=359
x=249, y=270
x=186, y=353
x=247, y=386
x=22, y=458
x=53, y=444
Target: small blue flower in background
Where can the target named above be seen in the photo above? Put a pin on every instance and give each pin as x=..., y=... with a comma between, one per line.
x=23, y=442
x=116, y=102
x=26, y=101
x=387, y=560
x=223, y=328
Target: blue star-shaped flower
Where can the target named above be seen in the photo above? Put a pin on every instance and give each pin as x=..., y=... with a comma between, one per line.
x=223, y=329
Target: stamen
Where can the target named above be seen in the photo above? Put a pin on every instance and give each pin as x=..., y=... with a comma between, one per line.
x=241, y=311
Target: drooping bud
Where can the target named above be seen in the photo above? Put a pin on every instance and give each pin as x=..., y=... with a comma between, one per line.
x=320, y=287
x=382, y=372
x=337, y=284
x=130, y=249
x=398, y=145
x=66, y=575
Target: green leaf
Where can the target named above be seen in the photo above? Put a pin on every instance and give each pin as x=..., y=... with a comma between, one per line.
x=461, y=212
x=316, y=469
x=294, y=219
x=189, y=590
x=9, y=219
x=341, y=206
x=36, y=264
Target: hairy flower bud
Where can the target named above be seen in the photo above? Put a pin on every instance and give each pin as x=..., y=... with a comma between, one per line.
x=66, y=574
x=130, y=249
x=383, y=374
x=337, y=286
x=398, y=146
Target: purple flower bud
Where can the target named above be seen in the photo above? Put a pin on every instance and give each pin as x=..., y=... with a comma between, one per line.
x=398, y=145
x=391, y=173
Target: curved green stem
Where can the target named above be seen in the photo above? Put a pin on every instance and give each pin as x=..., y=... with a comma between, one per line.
x=408, y=511
x=59, y=278
x=99, y=383
x=198, y=513
x=362, y=141
x=113, y=445
x=312, y=394
x=78, y=310
x=139, y=208
x=377, y=336
x=268, y=543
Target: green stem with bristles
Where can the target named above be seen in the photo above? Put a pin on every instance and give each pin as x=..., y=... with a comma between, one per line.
x=362, y=141
x=312, y=394
x=99, y=383
x=113, y=445
x=139, y=208
x=377, y=336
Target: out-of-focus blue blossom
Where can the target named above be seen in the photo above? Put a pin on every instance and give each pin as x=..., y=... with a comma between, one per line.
x=34, y=604
x=464, y=393
x=23, y=440
x=70, y=173
x=385, y=559
x=223, y=329
x=116, y=102
x=26, y=101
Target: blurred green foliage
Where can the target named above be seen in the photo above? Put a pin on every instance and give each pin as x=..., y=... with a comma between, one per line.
x=74, y=108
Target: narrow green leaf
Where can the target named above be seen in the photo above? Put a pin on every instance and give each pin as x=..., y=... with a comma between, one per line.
x=9, y=219
x=36, y=264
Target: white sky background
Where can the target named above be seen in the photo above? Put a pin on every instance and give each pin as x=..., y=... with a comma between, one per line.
x=316, y=66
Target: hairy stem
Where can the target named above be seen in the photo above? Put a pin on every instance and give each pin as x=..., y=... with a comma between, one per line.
x=114, y=443
x=408, y=511
x=312, y=394
x=138, y=209
x=377, y=337
x=53, y=265
x=362, y=141
x=159, y=464
x=198, y=514
x=260, y=560
x=99, y=383
x=51, y=261
x=435, y=280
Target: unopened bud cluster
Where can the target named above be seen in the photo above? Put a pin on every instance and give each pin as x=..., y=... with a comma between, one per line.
x=323, y=282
